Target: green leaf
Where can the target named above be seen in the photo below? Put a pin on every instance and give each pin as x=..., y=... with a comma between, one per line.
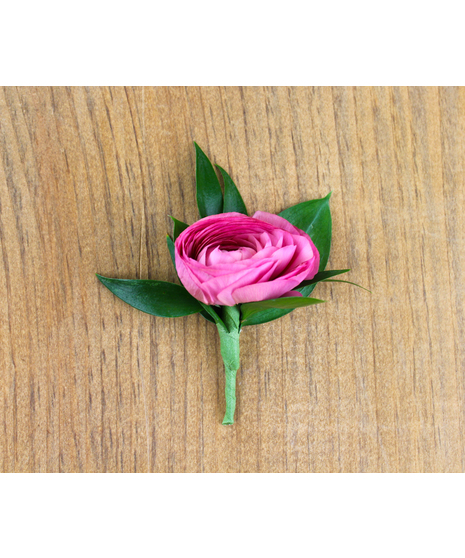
x=158, y=298
x=179, y=226
x=213, y=315
x=209, y=195
x=322, y=276
x=285, y=303
x=265, y=316
x=273, y=314
x=207, y=316
x=313, y=217
x=170, y=243
x=349, y=282
x=306, y=288
x=232, y=199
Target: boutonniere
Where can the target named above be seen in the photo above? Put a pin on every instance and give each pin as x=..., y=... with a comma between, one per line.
x=237, y=270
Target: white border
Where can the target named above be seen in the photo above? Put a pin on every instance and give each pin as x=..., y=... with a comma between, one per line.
x=232, y=515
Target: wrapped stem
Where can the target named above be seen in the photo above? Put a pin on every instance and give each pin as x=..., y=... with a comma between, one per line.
x=229, y=338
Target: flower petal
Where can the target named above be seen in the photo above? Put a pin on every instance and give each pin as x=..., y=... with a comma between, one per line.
x=261, y=291
x=276, y=221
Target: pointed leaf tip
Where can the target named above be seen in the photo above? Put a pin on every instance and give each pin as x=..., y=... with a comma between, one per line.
x=285, y=303
x=209, y=194
x=158, y=298
x=179, y=227
x=322, y=275
x=233, y=201
x=348, y=282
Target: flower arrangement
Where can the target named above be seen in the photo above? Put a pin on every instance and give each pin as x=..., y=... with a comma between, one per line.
x=237, y=270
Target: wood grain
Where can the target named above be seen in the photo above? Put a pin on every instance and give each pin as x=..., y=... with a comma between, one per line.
x=365, y=383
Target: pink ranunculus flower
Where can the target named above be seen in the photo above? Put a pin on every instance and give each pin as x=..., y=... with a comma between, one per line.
x=230, y=258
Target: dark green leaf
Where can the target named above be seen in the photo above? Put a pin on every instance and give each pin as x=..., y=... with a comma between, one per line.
x=265, y=316
x=179, y=226
x=158, y=298
x=306, y=290
x=322, y=275
x=209, y=195
x=285, y=303
x=314, y=218
x=207, y=316
x=232, y=199
x=213, y=314
x=349, y=282
x=170, y=243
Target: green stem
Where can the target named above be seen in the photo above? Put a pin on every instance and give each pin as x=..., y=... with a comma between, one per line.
x=230, y=393
x=229, y=338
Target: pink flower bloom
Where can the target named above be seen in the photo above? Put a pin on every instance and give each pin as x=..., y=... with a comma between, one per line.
x=230, y=258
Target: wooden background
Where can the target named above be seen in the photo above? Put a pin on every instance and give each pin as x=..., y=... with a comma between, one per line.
x=365, y=383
